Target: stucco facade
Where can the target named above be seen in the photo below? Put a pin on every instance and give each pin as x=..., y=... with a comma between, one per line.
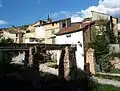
x=50, y=30
x=74, y=38
x=46, y=30
x=113, y=20
x=33, y=26
x=78, y=33
x=6, y=35
x=38, y=36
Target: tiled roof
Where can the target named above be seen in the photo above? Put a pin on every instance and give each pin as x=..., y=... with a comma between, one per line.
x=15, y=31
x=74, y=28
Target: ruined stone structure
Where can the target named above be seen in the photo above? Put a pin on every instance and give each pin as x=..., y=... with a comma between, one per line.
x=33, y=58
x=90, y=63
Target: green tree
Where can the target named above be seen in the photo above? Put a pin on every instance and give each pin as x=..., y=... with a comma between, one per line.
x=100, y=42
x=6, y=41
x=6, y=56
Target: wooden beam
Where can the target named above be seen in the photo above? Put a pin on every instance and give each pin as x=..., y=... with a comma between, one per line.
x=27, y=46
x=13, y=49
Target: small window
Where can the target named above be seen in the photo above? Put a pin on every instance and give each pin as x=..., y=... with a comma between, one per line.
x=16, y=35
x=27, y=31
x=52, y=24
x=32, y=39
x=16, y=39
x=68, y=36
x=63, y=25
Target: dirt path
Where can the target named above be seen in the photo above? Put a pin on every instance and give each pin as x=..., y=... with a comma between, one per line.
x=108, y=81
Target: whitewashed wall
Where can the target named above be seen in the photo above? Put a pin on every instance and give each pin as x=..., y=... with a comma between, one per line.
x=74, y=39
x=28, y=36
x=97, y=16
x=9, y=35
x=40, y=32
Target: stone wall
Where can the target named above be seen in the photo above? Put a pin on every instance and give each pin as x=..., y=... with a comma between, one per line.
x=116, y=62
x=90, y=61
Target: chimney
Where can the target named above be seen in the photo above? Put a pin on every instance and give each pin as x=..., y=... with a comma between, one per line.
x=49, y=20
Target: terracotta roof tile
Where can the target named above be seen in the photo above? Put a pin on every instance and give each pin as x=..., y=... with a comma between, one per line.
x=74, y=27
x=69, y=29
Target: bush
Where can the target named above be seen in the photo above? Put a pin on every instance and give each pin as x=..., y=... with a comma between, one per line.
x=117, y=71
x=53, y=65
x=101, y=87
x=108, y=77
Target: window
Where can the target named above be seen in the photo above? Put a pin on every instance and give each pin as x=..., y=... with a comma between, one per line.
x=32, y=39
x=63, y=24
x=40, y=40
x=53, y=24
x=16, y=39
x=16, y=35
x=27, y=31
x=68, y=22
x=68, y=36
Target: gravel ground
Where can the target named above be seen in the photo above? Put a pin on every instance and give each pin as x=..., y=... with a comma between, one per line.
x=109, y=74
x=45, y=68
x=107, y=81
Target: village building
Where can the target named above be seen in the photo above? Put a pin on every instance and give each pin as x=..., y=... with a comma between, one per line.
x=16, y=36
x=79, y=34
x=44, y=31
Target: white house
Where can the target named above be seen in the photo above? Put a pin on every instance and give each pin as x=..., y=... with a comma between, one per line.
x=35, y=37
x=7, y=34
x=74, y=34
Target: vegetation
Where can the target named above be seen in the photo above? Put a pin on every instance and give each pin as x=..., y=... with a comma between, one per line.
x=23, y=27
x=6, y=56
x=6, y=41
x=108, y=77
x=117, y=71
x=100, y=42
x=101, y=87
x=53, y=65
x=18, y=78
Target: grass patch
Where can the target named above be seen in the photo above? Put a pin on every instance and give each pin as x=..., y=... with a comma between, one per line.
x=108, y=77
x=115, y=71
x=101, y=87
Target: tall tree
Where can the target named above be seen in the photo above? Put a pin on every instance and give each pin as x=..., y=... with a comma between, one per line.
x=100, y=42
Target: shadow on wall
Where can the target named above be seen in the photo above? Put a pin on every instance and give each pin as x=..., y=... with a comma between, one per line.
x=17, y=78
